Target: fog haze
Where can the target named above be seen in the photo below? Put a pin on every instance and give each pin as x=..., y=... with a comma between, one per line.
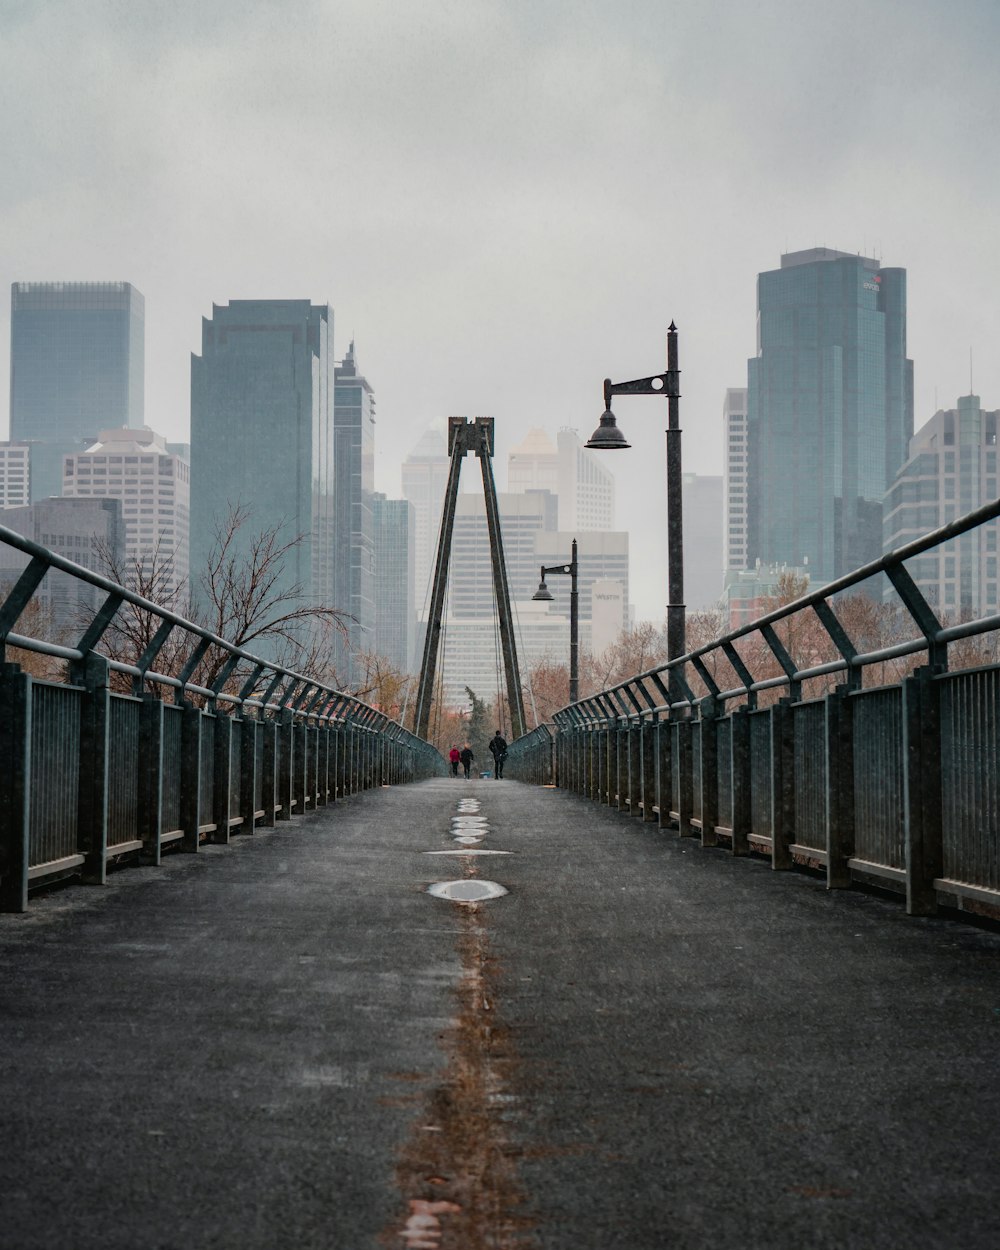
x=505, y=202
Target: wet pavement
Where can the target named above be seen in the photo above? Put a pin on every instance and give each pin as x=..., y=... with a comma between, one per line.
x=291, y=1042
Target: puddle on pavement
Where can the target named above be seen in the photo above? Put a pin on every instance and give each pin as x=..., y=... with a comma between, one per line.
x=471, y=890
x=467, y=839
x=471, y=850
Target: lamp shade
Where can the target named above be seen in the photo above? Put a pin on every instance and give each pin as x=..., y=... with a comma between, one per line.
x=543, y=593
x=607, y=436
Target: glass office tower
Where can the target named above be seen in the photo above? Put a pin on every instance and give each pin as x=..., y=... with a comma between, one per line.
x=395, y=615
x=354, y=485
x=262, y=436
x=77, y=366
x=830, y=410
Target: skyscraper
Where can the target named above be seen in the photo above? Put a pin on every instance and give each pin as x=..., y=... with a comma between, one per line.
x=262, y=435
x=734, y=443
x=77, y=366
x=15, y=475
x=702, y=514
x=395, y=614
x=951, y=469
x=354, y=485
x=425, y=478
x=830, y=410
x=581, y=481
x=153, y=486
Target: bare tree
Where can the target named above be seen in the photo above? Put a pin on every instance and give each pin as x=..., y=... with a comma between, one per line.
x=244, y=599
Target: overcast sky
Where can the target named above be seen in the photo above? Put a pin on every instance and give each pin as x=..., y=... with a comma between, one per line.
x=507, y=201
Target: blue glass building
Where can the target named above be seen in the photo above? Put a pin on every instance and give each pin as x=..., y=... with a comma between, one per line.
x=395, y=614
x=262, y=436
x=830, y=410
x=77, y=366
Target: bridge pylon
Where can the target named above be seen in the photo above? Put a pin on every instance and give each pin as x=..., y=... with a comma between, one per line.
x=466, y=436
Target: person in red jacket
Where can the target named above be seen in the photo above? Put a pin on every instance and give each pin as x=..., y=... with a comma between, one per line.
x=453, y=759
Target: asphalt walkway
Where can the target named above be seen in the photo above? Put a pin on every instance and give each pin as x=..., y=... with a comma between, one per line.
x=290, y=1043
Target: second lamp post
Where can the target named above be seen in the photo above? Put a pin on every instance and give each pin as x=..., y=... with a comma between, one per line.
x=544, y=595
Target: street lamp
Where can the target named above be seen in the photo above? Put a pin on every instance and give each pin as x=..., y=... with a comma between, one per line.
x=544, y=595
x=608, y=437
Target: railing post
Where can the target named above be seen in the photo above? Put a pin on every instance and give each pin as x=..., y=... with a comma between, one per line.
x=191, y=727
x=664, y=772
x=708, y=730
x=269, y=766
x=15, y=787
x=782, y=783
x=299, y=762
x=922, y=834
x=222, y=780
x=634, y=744
x=151, y=777
x=647, y=765
x=685, y=777
x=248, y=773
x=95, y=713
x=839, y=741
x=617, y=798
x=322, y=763
x=740, y=748
x=284, y=731
x=343, y=748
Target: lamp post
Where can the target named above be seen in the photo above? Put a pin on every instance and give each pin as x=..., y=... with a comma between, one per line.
x=608, y=437
x=544, y=595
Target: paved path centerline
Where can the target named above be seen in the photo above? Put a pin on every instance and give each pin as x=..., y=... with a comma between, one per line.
x=239, y=1048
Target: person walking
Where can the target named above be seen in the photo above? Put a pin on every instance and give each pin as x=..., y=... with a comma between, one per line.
x=466, y=756
x=453, y=758
x=498, y=749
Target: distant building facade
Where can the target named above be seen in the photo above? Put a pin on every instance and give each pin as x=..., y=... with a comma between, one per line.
x=354, y=485
x=702, y=510
x=734, y=443
x=262, y=435
x=154, y=489
x=395, y=613
x=77, y=366
x=424, y=482
x=829, y=410
x=579, y=479
x=951, y=469
x=85, y=531
x=15, y=475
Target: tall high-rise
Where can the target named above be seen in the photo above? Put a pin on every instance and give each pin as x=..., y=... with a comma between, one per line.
x=395, y=616
x=153, y=486
x=15, y=475
x=77, y=366
x=262, y=435
x=951, y=469
x=830, y=410
x=734, y=444
x=424, y=481
x=354, y=485
x=581, y=481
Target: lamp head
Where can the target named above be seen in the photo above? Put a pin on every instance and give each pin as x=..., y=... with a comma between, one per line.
x=542, y=594
x=607, y=436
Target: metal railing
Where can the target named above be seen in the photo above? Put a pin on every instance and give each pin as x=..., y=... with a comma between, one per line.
x=92, y=774
x=531, y=757
x=894, y=783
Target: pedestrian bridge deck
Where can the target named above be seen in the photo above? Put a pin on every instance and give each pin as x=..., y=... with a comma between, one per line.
x=287, y=1042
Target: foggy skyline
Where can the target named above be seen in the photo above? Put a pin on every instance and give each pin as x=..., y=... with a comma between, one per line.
x=504, y=203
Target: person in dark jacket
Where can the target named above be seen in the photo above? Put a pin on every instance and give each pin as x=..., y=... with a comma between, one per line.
x=498, y=749
x=466, y=757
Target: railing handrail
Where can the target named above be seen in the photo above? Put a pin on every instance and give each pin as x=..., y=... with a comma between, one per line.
x=336, y=705
x=932, y=637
